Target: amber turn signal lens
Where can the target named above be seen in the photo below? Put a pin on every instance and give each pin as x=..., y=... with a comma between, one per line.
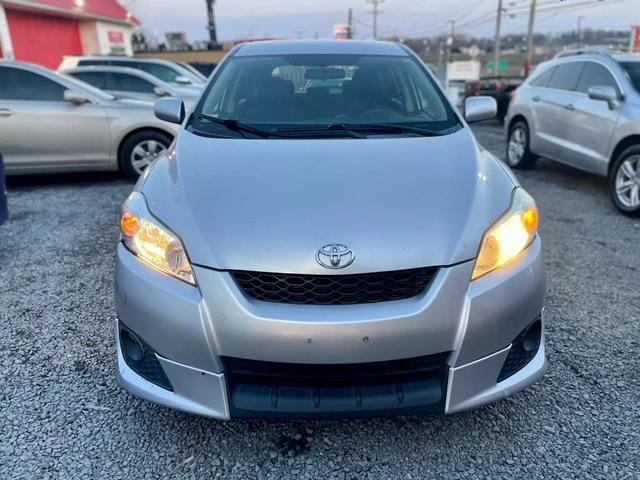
x=530, y=220
x=128, y=224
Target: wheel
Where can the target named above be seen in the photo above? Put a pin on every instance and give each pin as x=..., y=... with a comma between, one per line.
x=518, y=153
x=624, y=181
x=140, y=149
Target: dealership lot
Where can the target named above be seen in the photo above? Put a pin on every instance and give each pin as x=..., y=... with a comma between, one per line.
x=64, y=416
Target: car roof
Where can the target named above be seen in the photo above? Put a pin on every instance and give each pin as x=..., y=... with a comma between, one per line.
x=121, y=58
x=292, y=47
x=111, y=69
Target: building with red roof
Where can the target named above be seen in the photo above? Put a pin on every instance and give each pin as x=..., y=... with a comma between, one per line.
x=44, y=31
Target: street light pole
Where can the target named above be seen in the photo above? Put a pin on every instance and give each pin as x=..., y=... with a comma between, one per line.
x=452, y=40
x=376, y=11
x=496, y=43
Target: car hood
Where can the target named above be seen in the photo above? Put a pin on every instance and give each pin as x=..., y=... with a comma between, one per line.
x=269, y=205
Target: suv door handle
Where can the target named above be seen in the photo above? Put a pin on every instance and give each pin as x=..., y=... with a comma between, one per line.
x=570, y=107
x=5, y=112
x=536, y=98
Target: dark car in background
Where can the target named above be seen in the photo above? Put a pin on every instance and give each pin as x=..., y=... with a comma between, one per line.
x=500, y=88
x=4, y=211
x=204, y=68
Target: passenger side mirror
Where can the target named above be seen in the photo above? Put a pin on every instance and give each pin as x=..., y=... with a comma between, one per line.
x=76, y=98
x=183, y=81
x=170, y=110
x=477, y=109
x=605, y=93
x=160, y=92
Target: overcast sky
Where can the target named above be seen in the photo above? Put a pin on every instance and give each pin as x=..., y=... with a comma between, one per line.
x=306, y=18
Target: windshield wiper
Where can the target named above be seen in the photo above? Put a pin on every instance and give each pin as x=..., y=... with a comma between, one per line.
x=358, y=130
x=235, y=125
x=325, y=131
x=394, y=128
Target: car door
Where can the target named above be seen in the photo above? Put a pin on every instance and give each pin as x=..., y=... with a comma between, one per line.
x=594, y=121
x=132, y=86
x=41, y=132
x=539, y=110
x=555, y=111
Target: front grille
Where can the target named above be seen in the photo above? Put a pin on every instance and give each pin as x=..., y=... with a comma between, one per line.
x=334, y=289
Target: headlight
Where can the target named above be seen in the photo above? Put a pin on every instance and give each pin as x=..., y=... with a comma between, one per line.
x=509, y=236
x=152, y=242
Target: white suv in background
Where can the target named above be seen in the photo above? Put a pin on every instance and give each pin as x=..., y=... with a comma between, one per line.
x=583, y=109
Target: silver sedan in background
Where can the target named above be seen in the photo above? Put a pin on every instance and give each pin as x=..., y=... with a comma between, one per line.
x=133, y=83
x=50, y=122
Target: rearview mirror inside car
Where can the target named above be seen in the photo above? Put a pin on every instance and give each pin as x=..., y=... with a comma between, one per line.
x=477, y=109
x=75, y=97
x=170, y=110
x=183, y=81
x=605, y=93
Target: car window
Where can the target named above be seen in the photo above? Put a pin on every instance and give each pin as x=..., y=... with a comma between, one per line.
x=595, y=74
x=566, y=76
x=542, y=80
x=164, y=73
x=98, y=80
x=88, y=63
x=632, y=70
x=131, y=83
x=20, y=84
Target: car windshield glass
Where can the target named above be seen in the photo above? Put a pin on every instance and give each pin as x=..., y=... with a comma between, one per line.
x=633, y=73
x=316, y=91
x=89, y=89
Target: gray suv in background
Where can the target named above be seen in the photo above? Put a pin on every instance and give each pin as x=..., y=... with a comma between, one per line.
x=583, y=109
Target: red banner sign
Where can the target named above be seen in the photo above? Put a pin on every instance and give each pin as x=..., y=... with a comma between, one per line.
x=116, y=37
x=635, y=40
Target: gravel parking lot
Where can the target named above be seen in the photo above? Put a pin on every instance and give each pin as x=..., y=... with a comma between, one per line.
x=62, y=414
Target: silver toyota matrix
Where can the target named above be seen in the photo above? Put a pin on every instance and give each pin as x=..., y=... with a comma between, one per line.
x=326, y=238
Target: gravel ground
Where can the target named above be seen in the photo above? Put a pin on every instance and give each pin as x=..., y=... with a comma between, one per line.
x=62, y=414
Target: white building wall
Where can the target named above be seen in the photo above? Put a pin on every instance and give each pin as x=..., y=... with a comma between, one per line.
x=6, y=46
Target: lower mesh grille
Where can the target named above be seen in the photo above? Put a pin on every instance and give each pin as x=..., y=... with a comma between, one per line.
x=146, y=364
x=523, y=348
x=334, y=289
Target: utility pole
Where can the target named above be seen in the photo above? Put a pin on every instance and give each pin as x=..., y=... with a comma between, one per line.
x=580, y=18
x=530, y=34
x=376, y=11
x=213, y=34
x=451, y=41
x=350, y=23
x=496, y=43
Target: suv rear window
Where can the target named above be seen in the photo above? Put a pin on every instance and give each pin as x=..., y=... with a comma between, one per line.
x=566, y=76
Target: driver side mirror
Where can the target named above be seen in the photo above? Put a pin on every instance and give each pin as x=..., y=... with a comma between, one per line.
x=183, y=81
x=170, y=110
x=477, y=109
x=605, y=93
x=74, y=97
x=160, y=92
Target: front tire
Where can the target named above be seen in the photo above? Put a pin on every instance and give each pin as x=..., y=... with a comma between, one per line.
x=140, y=150
x=624, y=181
x=519, y=155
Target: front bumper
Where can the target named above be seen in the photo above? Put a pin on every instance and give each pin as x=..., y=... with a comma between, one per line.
x=193, y=331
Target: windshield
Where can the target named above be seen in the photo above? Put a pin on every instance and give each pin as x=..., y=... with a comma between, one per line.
x=275, y=93
x=193, y=71
x=633, y=73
